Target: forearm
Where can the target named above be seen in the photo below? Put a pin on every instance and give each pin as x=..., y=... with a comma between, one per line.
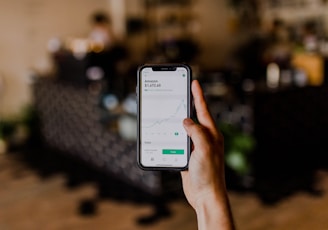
x=214, y=212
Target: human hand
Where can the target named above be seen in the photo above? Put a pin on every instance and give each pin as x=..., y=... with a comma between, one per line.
x=204, y=181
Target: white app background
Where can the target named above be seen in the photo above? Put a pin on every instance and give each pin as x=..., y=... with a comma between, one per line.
x=163, y=108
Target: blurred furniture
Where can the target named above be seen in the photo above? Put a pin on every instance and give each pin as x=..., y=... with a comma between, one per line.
x=109, y=66
x=71, y=122
x=290, y=127
x=71, y=69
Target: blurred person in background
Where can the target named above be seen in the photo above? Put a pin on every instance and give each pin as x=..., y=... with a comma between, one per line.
x=101, y=35
x=106, y=56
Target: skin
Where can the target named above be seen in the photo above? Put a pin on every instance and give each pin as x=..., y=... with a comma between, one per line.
x=204, y=181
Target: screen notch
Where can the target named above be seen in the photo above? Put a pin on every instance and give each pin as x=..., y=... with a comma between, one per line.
x=164, y=68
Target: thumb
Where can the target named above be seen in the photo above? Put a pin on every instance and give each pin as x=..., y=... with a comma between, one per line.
x=188, y=125
x=195, y=132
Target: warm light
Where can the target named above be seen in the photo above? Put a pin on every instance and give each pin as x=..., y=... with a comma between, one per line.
x=312, y=64
x=97, y=47
x=79, y=47
x=273, y=75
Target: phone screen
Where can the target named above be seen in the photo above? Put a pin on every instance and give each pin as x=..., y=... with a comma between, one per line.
x=164, y=101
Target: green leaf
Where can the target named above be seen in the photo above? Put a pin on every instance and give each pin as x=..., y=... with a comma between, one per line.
x=237, y=161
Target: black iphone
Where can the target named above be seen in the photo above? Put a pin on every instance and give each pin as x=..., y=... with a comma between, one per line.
x=164, y=100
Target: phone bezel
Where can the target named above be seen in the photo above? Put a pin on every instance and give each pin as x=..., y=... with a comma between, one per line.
x=162, y=67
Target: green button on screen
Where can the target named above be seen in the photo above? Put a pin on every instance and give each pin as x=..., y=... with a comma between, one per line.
x=173, y=151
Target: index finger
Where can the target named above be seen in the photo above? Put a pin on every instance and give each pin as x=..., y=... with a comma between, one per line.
x=203, y=115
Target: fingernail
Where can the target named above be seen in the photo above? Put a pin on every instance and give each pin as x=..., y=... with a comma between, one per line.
x=188, y=121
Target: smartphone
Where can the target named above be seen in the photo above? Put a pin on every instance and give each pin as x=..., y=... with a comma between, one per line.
x=164, y=101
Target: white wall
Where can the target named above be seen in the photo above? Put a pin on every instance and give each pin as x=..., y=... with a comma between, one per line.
x=26, y=26
x=215, y=36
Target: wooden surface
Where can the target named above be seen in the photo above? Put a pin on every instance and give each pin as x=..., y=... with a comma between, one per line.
x=28, y=201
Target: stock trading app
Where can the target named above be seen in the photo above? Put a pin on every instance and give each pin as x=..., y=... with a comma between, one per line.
x=163, y=107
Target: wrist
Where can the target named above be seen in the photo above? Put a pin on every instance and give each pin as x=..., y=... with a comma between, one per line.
x=213, y=211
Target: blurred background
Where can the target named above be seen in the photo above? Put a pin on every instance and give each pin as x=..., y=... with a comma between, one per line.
x=68, y=110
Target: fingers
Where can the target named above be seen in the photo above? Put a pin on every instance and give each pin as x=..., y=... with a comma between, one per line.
x=203, y=115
